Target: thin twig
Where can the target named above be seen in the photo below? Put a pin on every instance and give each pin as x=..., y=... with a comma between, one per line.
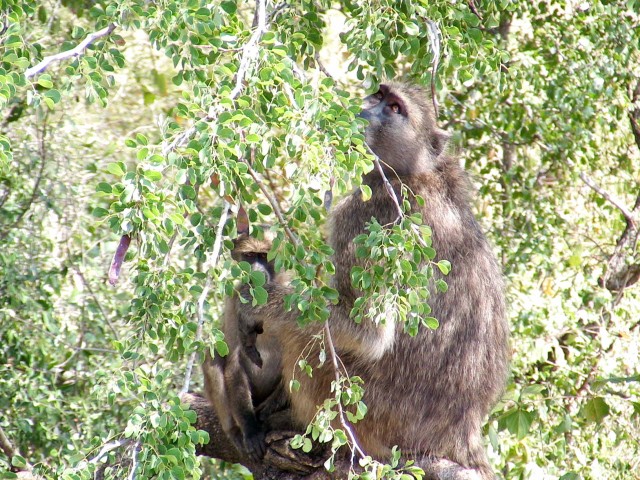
x=321, y=66
x=274, y=204
x=95, y=298
x=74, y=52
x=36, y=186
x=628, y=215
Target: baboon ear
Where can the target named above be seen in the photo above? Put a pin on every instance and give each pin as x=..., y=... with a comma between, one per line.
x=242, y=222
x=439, y=140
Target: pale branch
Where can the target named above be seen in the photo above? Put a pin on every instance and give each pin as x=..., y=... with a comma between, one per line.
x=387, y=183
x=355, y=446
x=5, y=445
x=248, y=54
x=434, y=45
x=211, y=263
x=74, y=52
x=109, y=447
x=134, y=461
x=628, y=215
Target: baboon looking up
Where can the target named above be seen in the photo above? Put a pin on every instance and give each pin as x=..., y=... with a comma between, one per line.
x=236, y=385
x=427, y=394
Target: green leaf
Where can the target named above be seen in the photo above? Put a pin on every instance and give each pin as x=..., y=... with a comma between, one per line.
x=104, y=187
x=196, y=218
x=229, y=7
x=54, y=95
x=595, y=410
x=264, y=209
x=116, y=169
x=441, y=285
x=532, y=390
x=100, y=212
x=45, y=81
x=431, y=322
x=257, y=278
x=152, y=175
x=570, y=476
x=444, y=266
x=141, y=139
x=518, y=422
x=366, y=192
x=260, y=295
x=222, y=348
x=18, y=461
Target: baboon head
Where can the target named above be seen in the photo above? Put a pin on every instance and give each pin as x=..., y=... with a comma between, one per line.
x=254, y=251
x=402, y=129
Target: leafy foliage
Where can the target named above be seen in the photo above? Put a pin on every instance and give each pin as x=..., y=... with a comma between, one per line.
x=172, y=115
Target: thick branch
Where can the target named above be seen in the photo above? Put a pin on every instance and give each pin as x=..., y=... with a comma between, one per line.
x=284, y=463
x=74, y=52
x=5, y=445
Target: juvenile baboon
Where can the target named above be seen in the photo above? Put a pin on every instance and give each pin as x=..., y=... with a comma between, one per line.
x=236, y=385
x=426, y=394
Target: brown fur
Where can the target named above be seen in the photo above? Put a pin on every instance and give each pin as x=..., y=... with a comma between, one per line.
x=428, y=394
x=236, y=385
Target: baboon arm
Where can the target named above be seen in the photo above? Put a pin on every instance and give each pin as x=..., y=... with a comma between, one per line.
x=366, y=339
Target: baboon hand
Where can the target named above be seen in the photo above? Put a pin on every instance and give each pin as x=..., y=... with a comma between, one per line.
x=255, y=446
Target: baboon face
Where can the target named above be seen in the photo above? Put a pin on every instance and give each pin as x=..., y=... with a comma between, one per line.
x=402, y=130
x=254, y=252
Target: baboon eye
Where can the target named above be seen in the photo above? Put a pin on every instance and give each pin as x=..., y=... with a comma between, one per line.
x=395, y=108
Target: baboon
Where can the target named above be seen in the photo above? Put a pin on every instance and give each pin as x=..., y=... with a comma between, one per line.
x=250, y=375
x=427, y=394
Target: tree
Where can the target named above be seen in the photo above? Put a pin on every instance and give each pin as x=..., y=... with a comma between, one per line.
x=139, y=128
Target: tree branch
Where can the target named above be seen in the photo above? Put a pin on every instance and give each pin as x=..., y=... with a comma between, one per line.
x=249, y=53
x=628, y=215
x=284, y=463
x=74, y=52
x=212, y=262
x=36, y=185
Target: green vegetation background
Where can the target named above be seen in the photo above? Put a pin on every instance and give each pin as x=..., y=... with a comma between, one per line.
x=187, y=108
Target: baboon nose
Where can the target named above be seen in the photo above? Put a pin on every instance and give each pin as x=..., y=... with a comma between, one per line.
x=366, y=114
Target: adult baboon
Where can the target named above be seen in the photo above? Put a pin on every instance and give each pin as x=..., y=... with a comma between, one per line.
x=236, y=385
x=426, y=394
